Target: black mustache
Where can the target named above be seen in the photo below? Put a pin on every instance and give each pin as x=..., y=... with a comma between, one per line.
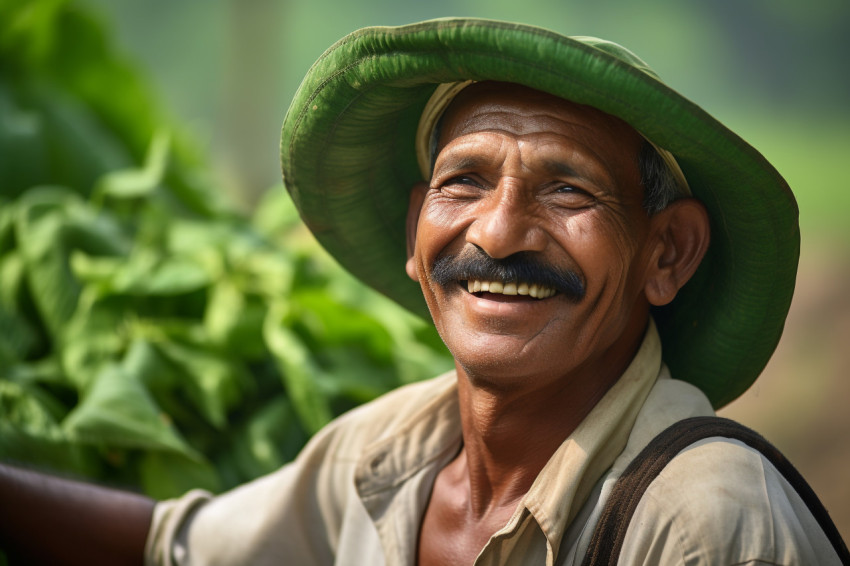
x=474, y=263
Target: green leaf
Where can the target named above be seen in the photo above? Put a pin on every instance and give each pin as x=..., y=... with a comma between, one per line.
x=12, y=278
x=223, y=310
x=29, y=409
x=234, y=320
x=27, y=28
x=213, y=382
x=94, y=338
x=52, y=453
x=173, y=277
x=271, y=437
x=267, y=272
x=95, y=272
x=19, y=336
x=118, y=412
x=169, y=386
x=143, y=287
x=136, y=182
x=276, y=215
x=30, y=431
x=51, y=223
x=7, y=224
x=150, y=273
x=144, y=361
x=302, y=377
x=165, y=475
x=354, y=376
x=45, y=371
x=335, y=323
x=41, y=220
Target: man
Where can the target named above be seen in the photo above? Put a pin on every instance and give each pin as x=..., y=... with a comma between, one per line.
x=558, y=202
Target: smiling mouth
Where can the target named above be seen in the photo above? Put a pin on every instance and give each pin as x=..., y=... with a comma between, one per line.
x=533, y=290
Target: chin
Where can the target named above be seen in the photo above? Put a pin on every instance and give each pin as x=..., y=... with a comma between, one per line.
x=505, y=369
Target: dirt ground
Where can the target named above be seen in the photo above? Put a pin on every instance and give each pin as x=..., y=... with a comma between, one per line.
x=801, y=402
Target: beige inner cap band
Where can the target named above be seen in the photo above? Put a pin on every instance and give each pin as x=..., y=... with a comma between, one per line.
x=441, y=99
x=437, y=104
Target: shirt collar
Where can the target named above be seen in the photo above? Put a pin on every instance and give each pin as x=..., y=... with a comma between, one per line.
x=395, y=474
x=568, y=478
x=431, y=437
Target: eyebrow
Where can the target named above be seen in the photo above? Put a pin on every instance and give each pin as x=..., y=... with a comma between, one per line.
x=466, y=162
x=555, y=167
x=561, y=168
x=597, y=175
x=470, y=162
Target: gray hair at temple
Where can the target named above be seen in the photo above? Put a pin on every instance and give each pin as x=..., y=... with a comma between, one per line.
x=660, y=185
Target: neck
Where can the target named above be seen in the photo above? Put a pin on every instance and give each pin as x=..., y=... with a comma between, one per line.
x=510, y=433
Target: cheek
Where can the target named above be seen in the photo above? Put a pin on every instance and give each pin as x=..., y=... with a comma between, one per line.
x=443, y=213
x=602, y=245
x=440, y=224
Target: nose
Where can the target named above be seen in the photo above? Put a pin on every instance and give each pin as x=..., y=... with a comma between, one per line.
x=507, y=223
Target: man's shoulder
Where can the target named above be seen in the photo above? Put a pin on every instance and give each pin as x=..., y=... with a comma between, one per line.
x=715, y=473
x=721, y=501
x=401, y=403
x=386, y=415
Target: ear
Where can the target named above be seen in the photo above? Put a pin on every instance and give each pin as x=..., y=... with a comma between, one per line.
x=682, y=233
x=414, y=207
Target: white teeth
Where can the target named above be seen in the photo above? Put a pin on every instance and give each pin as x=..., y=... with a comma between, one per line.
x=534, y=290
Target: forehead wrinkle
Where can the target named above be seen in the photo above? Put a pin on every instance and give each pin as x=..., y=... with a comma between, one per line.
x=467, y=152
x=572, y=160
x=515, y=120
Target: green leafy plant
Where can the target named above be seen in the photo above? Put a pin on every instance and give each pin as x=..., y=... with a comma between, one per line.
x=150, y=335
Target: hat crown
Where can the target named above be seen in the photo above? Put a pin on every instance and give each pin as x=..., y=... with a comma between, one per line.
x=618, y=51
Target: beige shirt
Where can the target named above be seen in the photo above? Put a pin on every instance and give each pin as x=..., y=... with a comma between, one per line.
x=356, y=494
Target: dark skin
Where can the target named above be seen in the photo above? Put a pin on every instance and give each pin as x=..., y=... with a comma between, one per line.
x=49, y=520
x=521, y=171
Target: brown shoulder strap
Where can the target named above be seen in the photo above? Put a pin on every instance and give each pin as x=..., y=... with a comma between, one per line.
x=608, y=537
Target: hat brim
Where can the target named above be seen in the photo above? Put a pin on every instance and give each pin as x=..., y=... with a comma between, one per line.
x=349, y=162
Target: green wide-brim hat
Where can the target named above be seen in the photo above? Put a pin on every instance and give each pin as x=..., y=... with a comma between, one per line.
x=349, y=162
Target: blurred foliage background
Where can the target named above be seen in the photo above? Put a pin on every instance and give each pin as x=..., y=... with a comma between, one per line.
x=150, y=263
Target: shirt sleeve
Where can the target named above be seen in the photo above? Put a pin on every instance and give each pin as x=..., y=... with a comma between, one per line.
x=291, y=516
x=307, y=513
x=720, y=502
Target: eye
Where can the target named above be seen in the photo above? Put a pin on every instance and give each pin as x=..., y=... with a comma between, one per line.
x=462, y=180
x=571, y=196
x=462, y=186
x=568, y=189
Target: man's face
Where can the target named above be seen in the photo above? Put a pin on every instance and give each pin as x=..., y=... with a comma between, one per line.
x=522, y=175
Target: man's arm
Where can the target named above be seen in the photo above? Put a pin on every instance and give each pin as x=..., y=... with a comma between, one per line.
x=49, y=520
